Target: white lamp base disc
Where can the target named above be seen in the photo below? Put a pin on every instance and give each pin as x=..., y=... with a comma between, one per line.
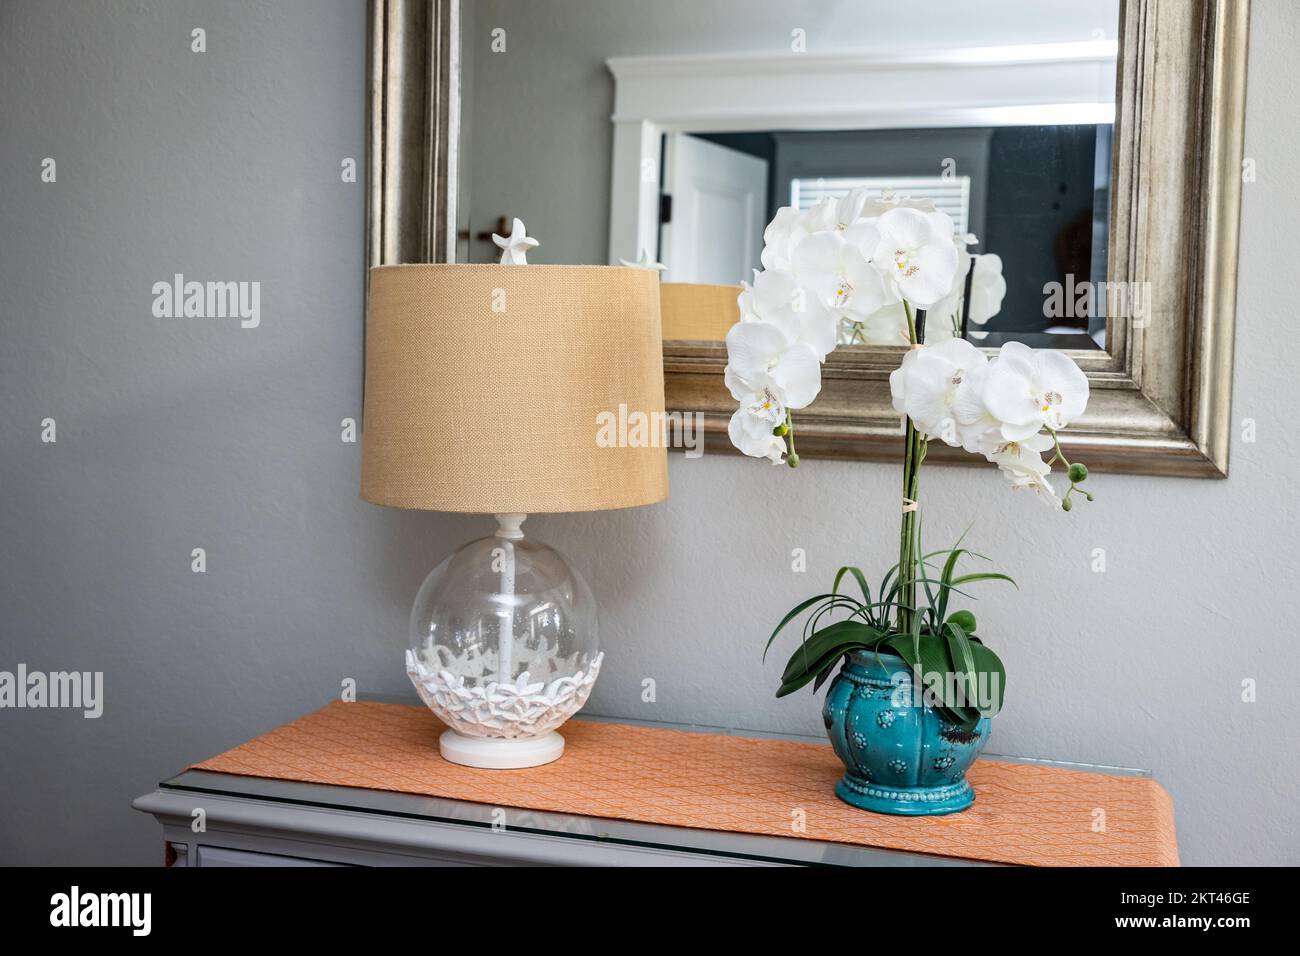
x=499, y=753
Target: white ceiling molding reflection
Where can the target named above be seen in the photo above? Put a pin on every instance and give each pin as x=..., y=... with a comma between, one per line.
x=1025, y=85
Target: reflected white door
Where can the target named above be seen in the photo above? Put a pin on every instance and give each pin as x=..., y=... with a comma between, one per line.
x=714, y=231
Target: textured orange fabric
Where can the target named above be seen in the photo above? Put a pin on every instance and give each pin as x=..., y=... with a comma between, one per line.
x=1022, y=813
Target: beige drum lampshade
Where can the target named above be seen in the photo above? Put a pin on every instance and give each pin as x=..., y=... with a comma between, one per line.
x=698, y=312
x=513, y=388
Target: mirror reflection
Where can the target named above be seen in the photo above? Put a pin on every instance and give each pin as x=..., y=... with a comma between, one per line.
x=674, y=132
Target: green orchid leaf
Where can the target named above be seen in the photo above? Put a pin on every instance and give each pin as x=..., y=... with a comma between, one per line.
x=937, y=646
x=984, y=576
x=922, y=653
x=989, y=667
x=822, y=666
x=889, y=587
x=936, y=659
x=822, y=676
x=858, y=576
x=945, y=579
x=808, y=656
x=963, y=657
x=965, y=620
x=794, y=612
x=811, y=625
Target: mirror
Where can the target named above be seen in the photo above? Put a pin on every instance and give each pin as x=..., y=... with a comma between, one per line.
x=1094, y=148
x=1004, y=122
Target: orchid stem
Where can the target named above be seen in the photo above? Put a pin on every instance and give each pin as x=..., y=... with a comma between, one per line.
x=1060, y=456
x=913, y=455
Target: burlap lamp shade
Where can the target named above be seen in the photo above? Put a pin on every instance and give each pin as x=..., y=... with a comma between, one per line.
x=697, y=312
x=485, y=383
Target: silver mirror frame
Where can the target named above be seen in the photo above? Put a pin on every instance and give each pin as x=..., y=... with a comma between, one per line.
x=1161, y=393
x=413, y=127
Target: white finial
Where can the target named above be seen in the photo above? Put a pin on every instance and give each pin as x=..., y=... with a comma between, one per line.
x=514, y=247
x=510, y=526
x=644, y=262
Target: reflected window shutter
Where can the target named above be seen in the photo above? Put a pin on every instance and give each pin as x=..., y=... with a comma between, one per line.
x=952, y=195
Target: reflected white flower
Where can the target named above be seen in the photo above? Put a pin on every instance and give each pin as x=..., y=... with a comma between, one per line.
x=859, y=204
x=886, y=326
x=1027, y=389
x=891, y=199
x=780, y=237
x=988, y=289
x=916, y=254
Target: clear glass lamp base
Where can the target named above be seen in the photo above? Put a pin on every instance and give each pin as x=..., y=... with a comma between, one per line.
x=503, y=649
x=500, y=753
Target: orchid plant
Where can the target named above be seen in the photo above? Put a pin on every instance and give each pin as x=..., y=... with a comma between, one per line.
x=887, y=270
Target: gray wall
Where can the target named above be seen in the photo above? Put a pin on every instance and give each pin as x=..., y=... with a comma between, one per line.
x=175, y=434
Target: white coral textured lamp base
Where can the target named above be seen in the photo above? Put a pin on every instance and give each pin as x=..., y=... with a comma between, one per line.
x=498, y=753
x=503, y=649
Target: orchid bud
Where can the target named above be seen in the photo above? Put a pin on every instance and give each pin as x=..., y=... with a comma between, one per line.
x=1077, y=472
x=792, y=460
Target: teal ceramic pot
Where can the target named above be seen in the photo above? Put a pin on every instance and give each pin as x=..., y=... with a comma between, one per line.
x=900, y=755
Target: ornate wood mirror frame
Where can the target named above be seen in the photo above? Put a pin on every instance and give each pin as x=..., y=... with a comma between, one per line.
x=1161, y=390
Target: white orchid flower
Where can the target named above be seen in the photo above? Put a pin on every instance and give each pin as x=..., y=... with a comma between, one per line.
x=977, y=430
x=938, y=388
x=780, y=237
x=988, y=289
x=1021, y=462
x=1027, y=389
x=790, y=227
x=886, y=326
x=776, y=298
x=833, y=265
x=750, y=428
x=759, y=355
x=916, y=254
x=823, y=217
x=857, y=205
x=889, y=199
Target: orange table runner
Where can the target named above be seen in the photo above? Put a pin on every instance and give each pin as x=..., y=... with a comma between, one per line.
x=1022, y=813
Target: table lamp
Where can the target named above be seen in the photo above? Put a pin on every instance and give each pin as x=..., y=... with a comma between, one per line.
x=489, y=389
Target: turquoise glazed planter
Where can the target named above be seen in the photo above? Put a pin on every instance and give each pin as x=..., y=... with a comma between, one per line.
x=900, y=756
